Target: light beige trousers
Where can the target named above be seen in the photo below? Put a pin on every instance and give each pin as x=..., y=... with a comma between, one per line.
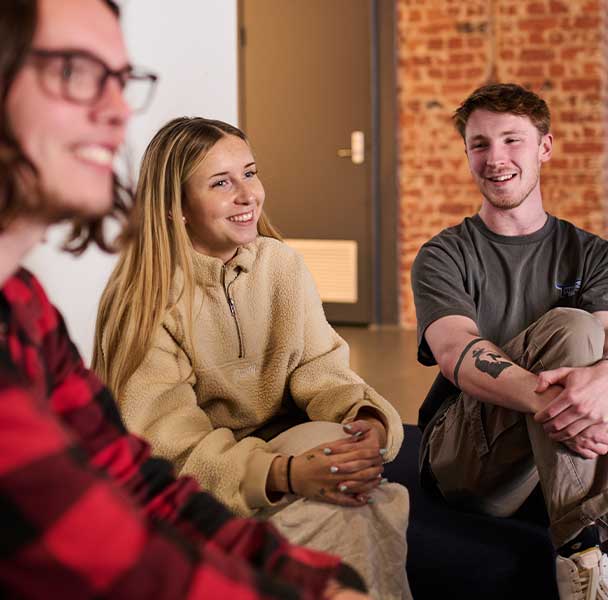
x=489, y=459
x=369, y=538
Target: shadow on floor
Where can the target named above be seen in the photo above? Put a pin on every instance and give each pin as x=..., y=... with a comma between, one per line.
x=386, y=358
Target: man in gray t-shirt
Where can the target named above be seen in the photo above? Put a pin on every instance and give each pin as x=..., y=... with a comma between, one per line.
x=512, y=304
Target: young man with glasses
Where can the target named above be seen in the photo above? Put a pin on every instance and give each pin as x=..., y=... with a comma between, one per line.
x=85, y=512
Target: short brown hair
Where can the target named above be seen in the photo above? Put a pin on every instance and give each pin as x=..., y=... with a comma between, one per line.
x=18, y=20
x=504, y=98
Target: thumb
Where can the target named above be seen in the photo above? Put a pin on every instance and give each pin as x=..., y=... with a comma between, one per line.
x=548, y=378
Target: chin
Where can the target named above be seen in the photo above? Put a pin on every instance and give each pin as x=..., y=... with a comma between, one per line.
x=84, y=207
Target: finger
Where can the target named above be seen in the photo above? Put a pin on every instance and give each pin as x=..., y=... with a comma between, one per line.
x=359, y=474
x=359, y=426
x=594, y=436
x=587, y=448
x=360, y=487
x=353, y=463
x=547, y=378
x=570, y=431
x=337, y=446
x=554, y=408
x=367, y=440
x=370, y=455
x=597, y=433
x=336, y=497
x=563, y=420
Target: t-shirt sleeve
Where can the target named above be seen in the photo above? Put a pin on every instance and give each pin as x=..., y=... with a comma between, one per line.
x=439, y=285
x=593, y=296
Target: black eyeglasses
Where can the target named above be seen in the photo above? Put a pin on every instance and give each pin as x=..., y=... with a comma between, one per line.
x=80, y=77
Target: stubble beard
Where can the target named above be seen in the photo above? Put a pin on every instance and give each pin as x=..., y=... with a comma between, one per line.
x=508, y=202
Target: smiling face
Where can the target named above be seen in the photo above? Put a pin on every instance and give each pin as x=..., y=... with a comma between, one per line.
x=505, y=153
x=71, y=145
x=223, y=199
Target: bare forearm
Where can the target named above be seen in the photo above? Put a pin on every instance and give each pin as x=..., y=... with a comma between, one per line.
x=483, y=370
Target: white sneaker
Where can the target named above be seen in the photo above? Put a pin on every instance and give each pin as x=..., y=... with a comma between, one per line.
x=583, y=576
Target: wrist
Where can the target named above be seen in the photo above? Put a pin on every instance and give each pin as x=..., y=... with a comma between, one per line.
x=277, y=475
x=542, y=399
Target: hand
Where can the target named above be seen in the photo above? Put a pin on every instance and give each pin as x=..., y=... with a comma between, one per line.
x=366, y=427
x=588, y=443
x=578, y=416
x=321, y=472
x=369, y=433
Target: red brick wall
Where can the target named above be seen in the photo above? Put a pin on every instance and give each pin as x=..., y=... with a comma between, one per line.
x=446, y=49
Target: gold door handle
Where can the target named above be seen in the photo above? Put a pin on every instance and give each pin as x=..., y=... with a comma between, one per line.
x=356, y=152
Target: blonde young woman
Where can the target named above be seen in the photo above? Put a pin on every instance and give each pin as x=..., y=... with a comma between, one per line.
x=213, y=338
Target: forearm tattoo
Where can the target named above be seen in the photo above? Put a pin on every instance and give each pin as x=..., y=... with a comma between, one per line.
x=492, y=363
x=461, y=358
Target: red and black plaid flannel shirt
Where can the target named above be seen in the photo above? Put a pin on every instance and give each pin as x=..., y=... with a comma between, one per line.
x=86, y=513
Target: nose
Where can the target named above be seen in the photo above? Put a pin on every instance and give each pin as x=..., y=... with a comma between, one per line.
x=495, y=155
x=245, y=194
x=112, y=107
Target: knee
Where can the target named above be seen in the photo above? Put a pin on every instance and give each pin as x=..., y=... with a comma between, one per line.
x=579, y=334
x=305, y=436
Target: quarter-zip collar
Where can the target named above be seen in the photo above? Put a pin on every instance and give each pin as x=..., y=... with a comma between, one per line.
x=209, y=271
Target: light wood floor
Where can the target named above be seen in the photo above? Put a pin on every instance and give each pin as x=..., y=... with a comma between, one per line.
x=386, y=358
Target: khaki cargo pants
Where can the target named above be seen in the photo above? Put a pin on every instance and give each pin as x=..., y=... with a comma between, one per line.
x=488, y=459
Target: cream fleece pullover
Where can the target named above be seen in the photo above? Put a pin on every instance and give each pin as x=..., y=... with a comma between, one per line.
x=261, y=338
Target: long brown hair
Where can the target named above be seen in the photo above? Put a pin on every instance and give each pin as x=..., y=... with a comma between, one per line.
x=139, y=293
x=18, y=20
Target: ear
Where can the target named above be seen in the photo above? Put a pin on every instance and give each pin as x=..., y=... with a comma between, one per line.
x=545, y=149
x=170, y=217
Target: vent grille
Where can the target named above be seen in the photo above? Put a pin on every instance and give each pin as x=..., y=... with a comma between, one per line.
x=333, y=264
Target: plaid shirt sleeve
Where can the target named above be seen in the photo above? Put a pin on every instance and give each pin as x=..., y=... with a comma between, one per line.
x=86, y=513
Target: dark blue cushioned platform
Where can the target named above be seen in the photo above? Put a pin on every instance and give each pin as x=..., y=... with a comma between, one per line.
x=453, y=554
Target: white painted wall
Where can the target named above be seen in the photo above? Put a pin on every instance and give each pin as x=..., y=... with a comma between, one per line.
x=192, y=45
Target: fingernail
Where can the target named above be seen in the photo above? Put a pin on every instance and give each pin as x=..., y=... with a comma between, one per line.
x=379, y=476
x=348, y=427
x=383, y=481
x=383, y=451
x=343, y=488
x=326, y=451
x=357, y=434
x=333, y=469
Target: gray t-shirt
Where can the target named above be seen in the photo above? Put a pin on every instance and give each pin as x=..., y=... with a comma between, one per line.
x=505, y=283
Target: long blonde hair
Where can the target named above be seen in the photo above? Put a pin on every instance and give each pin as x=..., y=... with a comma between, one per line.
x=137, y=295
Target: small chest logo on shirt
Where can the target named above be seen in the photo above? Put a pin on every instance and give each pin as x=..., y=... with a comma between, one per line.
x=568, y=289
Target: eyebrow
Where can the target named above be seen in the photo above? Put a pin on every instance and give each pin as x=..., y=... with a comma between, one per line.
x=78, y=50
x=480, y=136
x=226, y=172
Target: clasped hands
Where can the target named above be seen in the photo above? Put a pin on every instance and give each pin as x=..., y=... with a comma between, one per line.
x=578, y=415
x=344, y=471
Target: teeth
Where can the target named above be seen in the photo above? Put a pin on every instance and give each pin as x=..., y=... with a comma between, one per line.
x=242, y=218
x=97, y=154
x=502, y=177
